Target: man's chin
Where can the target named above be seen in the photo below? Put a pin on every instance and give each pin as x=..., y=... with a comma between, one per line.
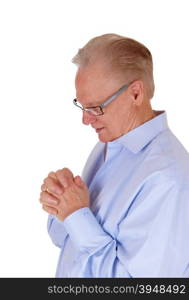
x=103, y=138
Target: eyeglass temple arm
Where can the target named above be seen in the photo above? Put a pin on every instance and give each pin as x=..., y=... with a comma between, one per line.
x=115, y=95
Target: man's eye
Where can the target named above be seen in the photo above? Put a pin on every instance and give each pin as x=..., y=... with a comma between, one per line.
x=95, y=110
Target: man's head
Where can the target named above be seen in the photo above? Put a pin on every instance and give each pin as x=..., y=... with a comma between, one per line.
x=105, y=64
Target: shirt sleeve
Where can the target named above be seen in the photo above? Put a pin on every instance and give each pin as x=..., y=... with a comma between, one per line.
x=154, y=233
x=97, y=249
x=152, y=238
x=56, y=231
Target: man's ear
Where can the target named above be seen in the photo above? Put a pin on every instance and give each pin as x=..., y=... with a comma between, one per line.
x=137, y=92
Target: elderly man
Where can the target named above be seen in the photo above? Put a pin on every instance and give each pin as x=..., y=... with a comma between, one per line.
x=128, y=216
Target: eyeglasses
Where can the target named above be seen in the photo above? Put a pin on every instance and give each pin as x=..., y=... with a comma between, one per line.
x=98, y=110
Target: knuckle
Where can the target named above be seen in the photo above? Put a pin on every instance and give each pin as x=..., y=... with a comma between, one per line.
x=52, y=174
x=60, y=175
x=59, y=172
x=63, y=171
x=48, y=181
x=67, y=171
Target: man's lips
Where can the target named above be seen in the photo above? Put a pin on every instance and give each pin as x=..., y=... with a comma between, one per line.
x=99, y=129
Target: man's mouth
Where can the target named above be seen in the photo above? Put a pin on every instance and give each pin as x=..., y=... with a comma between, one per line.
x=99, y=129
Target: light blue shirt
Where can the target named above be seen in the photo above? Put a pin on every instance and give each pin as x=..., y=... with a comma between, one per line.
x=138, y=221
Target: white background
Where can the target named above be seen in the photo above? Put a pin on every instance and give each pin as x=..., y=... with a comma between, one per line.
x=40, y=130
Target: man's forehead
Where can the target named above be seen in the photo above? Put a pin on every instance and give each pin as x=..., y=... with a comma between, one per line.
x=90, y=77
x=89, y=94
x=92, y=90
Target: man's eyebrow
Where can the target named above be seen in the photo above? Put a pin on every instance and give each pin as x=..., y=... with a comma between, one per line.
x=89, y=104
x=92, y=105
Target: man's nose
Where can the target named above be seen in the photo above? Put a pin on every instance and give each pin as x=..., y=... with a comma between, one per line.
x=88, y=118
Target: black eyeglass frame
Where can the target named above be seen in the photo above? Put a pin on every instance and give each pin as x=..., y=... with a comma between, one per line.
x=105, y=103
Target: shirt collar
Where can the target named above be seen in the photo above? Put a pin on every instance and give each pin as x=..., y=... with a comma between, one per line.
x=136, y=139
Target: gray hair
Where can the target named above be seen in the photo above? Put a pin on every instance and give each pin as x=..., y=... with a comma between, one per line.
x=125, y=56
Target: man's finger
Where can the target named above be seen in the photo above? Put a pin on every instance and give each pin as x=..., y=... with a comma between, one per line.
x=53, y=186
x=79, y=182
x=52, y=175
x=48, y=199
x=65, y=176
x=50, y=210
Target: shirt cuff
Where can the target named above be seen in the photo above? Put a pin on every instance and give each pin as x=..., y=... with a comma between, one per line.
x=51, y=219
x=85, y=231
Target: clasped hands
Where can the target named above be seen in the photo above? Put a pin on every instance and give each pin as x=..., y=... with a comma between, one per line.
x=62, y=193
